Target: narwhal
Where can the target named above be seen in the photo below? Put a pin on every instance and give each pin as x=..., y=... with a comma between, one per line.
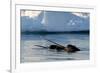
x=58, y=47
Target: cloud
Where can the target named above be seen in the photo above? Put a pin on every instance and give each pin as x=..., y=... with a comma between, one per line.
x=30, y=13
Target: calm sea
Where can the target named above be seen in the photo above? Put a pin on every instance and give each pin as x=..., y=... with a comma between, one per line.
x=31, y=53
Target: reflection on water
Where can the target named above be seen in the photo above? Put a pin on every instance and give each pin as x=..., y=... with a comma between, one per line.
x=31, y=53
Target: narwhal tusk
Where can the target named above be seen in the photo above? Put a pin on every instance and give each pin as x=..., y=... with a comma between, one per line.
x=54, y=43
x=41, y=46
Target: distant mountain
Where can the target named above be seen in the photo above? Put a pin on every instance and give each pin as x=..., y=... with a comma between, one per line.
x=51, y=21
x=31, y=24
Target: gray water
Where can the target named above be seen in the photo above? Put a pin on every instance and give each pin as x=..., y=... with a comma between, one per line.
x=31, y=53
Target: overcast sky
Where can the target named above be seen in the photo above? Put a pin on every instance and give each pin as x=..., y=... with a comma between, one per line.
x=33, y=13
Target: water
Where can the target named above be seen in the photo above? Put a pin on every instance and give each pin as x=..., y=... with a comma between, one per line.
x=31, y=53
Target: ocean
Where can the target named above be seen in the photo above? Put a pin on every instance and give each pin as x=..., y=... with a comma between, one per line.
x=31, y=53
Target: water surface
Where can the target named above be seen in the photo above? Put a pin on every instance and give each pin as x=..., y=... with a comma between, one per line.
x=31, y=53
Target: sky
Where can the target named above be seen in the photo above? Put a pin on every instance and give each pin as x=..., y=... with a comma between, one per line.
x=30, y=13
x=34, y=13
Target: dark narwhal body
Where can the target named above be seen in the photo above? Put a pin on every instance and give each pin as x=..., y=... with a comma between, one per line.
x=70, y=48
x=56, y=47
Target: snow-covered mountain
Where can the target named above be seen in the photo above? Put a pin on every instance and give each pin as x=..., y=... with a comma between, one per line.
x=54, y=22
x=31, y=24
